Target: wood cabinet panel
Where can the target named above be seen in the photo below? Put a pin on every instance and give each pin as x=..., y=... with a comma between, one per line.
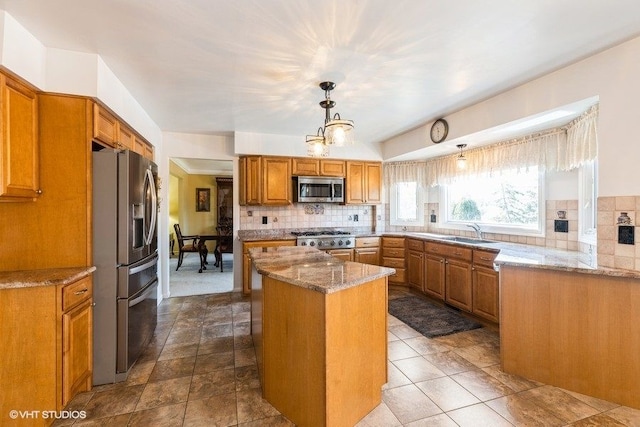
x=434, y=276
x=276, y=181
x=415, y=245
x=305, y=167
x=458, y=284
x=367, y=242
x=333, y=168
x=77, y=356
x=19, y=143
x=485, y=292
x=415, y=269
x=47, y=357
x=343, y=254
x=126, y=138
x=105, y=126
x=373, y=187
x=252, y=184
x=393, y=256
x=369, y=255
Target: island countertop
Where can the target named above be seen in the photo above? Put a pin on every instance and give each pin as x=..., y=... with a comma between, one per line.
x=313, y=269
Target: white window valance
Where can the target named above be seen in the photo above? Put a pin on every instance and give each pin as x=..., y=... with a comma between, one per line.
x=559, y=149
x=405, y=172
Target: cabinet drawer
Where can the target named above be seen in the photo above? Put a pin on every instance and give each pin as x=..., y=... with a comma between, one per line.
x=415, y=245
x=367, y=242
x=484, y=257
x=393, y=252
x=393, y=242
x=393, y=262
x=449, y=251
x=76, y=292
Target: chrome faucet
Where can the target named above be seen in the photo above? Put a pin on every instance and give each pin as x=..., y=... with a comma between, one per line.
x=477, y=229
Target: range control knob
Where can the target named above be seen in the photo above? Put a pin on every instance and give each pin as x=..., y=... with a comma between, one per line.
x=333, y=243
x=340, y=243
x=348, y=242
x=319, y=243
x=312, y=243
x=303, y=244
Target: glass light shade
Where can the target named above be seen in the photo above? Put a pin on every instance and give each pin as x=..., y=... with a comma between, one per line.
x=461, y=162
x=316, y=146
x=339, y=132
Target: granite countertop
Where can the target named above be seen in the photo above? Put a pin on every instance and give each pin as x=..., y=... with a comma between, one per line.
x=313, y=269
x=44, y=277
x=513, y=254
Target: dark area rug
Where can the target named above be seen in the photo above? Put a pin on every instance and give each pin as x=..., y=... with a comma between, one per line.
x=430, y=319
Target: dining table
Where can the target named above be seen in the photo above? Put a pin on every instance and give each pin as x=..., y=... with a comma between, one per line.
x=204, y=251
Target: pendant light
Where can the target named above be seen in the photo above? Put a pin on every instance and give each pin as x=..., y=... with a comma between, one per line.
x=461, y=161
x=336, y=131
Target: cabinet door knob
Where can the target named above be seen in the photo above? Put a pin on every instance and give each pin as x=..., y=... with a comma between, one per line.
x=38, y=191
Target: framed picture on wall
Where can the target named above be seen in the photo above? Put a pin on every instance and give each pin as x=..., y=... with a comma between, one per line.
x=203, y=199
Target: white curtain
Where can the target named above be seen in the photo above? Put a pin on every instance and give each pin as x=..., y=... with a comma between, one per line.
x=559, y=149
x=405, y=172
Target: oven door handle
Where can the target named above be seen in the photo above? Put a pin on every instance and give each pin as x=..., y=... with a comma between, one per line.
x=143, y=296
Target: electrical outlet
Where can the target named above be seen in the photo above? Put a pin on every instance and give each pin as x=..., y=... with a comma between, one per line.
x=264, y=219
x=355, y=218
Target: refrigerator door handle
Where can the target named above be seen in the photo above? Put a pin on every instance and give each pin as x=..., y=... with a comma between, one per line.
x=154, y=208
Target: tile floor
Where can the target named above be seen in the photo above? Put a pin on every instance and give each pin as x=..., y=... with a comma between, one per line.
x=200, y=370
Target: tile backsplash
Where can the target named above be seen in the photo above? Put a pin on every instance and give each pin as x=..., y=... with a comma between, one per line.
x=610, y=252
x=308, y=216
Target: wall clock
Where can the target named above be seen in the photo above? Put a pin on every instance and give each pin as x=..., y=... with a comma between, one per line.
x=439, y=130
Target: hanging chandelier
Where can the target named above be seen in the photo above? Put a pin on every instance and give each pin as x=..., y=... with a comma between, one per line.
x=461, y=160
x=336, y=131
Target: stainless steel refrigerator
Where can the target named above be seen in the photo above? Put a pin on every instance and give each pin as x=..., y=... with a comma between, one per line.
x=125, y=208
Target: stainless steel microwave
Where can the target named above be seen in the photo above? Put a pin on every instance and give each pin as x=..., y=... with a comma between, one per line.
x=316, y=189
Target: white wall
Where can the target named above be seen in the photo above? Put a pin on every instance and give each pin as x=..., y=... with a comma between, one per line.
x=611, y=75
x=294, y=146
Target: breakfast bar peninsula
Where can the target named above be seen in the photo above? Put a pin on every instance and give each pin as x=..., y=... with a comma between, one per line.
x=319, y=326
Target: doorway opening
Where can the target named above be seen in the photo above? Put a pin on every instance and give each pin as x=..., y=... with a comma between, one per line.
x=201, y=202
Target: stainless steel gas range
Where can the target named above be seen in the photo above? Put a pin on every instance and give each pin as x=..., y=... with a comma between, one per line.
x=325, y=240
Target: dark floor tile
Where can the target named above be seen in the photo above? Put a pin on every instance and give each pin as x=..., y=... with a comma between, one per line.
x=172, y=368
x=164, y=416
x=165, y=392
x=219, y=410
x=116, y=401
x=212, y=383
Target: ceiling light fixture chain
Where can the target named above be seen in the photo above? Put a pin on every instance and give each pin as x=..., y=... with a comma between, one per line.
x=336, y=131
x=461, y=161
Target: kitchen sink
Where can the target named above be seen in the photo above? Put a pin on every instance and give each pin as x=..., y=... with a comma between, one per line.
x=467, y=240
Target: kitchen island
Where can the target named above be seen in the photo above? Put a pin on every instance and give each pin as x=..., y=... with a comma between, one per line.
x=319, y=326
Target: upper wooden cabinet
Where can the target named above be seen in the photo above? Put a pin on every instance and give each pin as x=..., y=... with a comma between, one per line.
x=363, y=182
x=301, y=166
x=265, y=181
x=276, y=181
x=19, y=147
x=305, y=167
x=113, y=132
x=105, y=126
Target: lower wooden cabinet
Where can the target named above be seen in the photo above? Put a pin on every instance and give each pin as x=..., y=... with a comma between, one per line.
x=458, y=284
x=343, y=254
x=485, y=286
x=246, y=261
x=47, y=348
x=393, y=256
x=434, y=276
x=77, y=358
x=367, y=250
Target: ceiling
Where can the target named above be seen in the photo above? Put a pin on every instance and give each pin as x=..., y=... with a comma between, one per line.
x=219, y=66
